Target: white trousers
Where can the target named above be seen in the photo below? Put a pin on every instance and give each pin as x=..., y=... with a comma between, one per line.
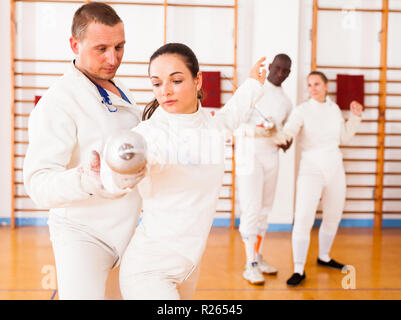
x=257, y=184
x=312, y=185
x=151, y=271
x=85, y=265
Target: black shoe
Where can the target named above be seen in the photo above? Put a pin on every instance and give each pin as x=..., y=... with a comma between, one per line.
x=296, y=279
x=332, y=264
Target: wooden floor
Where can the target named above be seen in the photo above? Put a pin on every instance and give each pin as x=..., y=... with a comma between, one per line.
x=26, y=262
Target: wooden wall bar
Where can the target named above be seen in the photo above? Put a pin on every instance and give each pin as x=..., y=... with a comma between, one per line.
x=12, y=109
x=314, y=35
x=382, y=116
x=184, y=5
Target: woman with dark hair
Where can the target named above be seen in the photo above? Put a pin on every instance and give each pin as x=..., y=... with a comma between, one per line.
x=321, y=128
x=185, y=167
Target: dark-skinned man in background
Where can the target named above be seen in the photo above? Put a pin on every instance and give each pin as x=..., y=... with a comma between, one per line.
x=257, y=166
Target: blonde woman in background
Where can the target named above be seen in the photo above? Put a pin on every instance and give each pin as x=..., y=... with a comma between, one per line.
x=321, y=129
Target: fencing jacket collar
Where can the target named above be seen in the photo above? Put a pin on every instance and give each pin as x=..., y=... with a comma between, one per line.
x=183, y=120
x=108, y=99
x=317, y=103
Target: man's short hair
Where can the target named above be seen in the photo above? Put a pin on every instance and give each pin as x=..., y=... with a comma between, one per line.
x=283, y=56
x=93, y=12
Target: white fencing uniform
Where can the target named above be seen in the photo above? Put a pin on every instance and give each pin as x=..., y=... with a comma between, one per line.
x=180, y=194
x=257, y=162
x=321, y=129
x=89, y=233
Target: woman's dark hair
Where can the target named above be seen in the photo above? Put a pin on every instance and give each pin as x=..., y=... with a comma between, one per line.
x=190, y=61
x=320, y=74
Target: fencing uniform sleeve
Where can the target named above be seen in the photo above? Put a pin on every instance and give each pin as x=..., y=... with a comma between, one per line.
x=287, y=114
x=238, y=108
x=52, y=138
x=348, y=129
x=157, y=141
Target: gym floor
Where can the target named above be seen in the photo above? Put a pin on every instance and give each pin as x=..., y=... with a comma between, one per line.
x=27, y=266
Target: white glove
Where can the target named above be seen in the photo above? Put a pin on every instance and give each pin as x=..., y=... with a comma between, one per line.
x=91, y=181
x=280, y=138
x=117, y=183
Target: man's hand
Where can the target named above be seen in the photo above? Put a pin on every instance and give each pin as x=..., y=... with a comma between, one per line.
x=97, y=179
x=90, y=177
x=256, y=72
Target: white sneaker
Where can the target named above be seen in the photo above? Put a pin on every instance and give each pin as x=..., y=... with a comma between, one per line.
x=253, y=274
x=264, y=267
